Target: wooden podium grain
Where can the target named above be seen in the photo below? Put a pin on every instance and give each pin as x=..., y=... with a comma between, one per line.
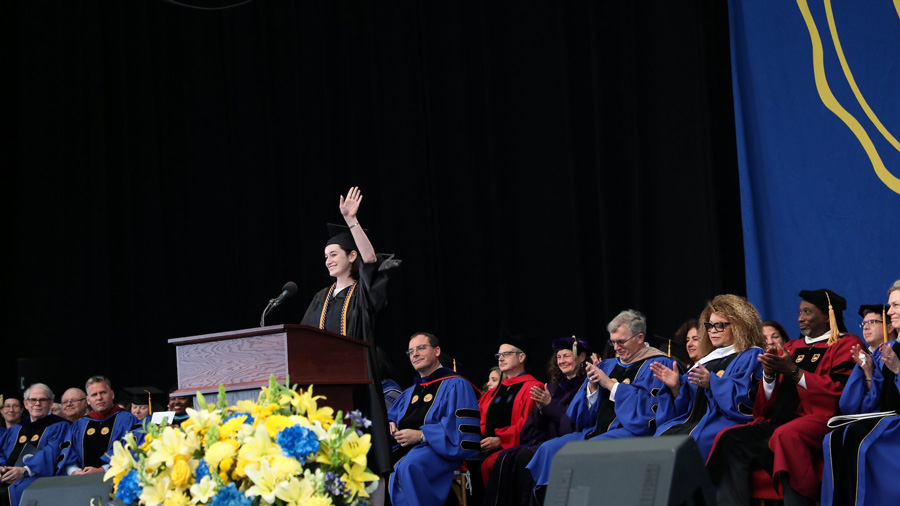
x=242, y=361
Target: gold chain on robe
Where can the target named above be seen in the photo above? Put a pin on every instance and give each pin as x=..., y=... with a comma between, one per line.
x=343, y=311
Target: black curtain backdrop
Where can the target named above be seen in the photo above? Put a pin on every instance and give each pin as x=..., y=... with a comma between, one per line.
x=538, y=166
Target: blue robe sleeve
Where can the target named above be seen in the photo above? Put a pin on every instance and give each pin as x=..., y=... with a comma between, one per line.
x=637, y=402
x=70, y=448
x=856, y=398
x=453, y=425
x=582, y=416
x=7, y=442
x=669, y=407
x=43, y=463
x=733, y=393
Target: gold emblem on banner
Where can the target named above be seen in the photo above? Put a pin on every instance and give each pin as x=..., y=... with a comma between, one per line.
x=23, y=438
x=816, y=357
x=91, y=431
x=428, y=398
x=35, y=437
x=104, y=431
x=414, y=400
x=799, y=358
x=721, y=373
x=626, y=381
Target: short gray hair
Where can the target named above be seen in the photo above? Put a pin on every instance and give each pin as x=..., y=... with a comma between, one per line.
x=634, y=320
x=27, y=393
x=894, y=287
x=97, y=379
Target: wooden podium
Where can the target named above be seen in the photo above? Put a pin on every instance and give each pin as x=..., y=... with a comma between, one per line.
x=243, y=360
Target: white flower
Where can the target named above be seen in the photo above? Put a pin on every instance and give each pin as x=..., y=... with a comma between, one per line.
x=203, y=491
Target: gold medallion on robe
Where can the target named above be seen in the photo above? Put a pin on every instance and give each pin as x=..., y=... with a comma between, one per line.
x=35, y=437
x=104, y=431
x=428, y=398
x=799, y=358
x=626, y=380
x=91, y=431
x=816, y=357
x=23, y=438
x=414, y=400
x=721, y=373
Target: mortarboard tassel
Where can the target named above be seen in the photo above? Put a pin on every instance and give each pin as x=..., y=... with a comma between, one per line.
x=669, y=352
x=149, y=402
x=884, y=324
x=574, y=346
x=454, y=365
x=835, y=333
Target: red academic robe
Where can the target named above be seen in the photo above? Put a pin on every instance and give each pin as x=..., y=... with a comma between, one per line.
x=797, y=444
x=523, y=405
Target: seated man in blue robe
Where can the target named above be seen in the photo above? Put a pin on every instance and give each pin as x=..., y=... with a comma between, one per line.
x=90, y=439
x=619, y=397
x=28, y=450
x=436, y=425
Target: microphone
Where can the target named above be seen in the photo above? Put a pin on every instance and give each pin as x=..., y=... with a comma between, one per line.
x=289, y=289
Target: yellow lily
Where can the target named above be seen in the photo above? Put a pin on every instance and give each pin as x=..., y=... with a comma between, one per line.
x=121, y=461
x=264, y=481
x=355, y=477
x=356, y=447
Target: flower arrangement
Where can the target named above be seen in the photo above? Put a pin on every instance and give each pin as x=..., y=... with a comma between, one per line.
x=282, y=449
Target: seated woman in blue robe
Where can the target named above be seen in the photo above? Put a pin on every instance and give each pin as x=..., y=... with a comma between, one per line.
x=718, y=391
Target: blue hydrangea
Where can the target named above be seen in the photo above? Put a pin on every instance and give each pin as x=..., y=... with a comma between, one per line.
x=230, y=496
x=334, y=485
x=129, y=488
x=298, y=442
x=202, y=470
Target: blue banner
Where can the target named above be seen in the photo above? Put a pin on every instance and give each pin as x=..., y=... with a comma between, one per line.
x=817, y=111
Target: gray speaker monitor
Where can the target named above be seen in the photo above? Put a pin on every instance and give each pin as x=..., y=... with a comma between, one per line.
x=69, y=490
x=644, y=471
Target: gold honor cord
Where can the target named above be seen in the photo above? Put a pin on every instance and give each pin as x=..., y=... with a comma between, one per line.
x=343, y=310
x=830, y=102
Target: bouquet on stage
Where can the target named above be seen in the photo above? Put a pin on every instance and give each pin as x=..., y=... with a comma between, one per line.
x=282, y=449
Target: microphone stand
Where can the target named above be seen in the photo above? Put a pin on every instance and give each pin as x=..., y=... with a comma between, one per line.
x=269, y=307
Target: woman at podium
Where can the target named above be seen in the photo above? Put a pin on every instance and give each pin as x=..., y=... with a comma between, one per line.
x=359, y=291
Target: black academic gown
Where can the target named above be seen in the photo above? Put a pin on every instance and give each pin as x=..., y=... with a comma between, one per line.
x=368, y=298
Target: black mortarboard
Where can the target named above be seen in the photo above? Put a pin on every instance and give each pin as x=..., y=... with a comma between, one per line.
x=340, y=235
x=148, y=396
x=565, y=343
x=820, y=298
x=521, y=342
x=872, y=308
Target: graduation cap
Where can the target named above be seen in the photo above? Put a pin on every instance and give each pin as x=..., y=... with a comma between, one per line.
x=568, y=343
x=872, y=308
x=340, y=235
x=148, y=396
x=519, y=341
x=832, y=304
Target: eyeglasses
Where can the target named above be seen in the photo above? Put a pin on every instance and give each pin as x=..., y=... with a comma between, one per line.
x=621, y=342
x=36, y=401
x=72, y=401
x=420, y=348
x=868, y=322
x=506, y=354
x=719, y=326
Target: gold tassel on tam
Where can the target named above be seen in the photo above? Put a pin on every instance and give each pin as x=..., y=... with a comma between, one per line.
x=574, y=347
x=835, y=333
x=149, y=402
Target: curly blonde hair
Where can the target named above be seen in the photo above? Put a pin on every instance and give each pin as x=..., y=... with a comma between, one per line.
x=746, y=325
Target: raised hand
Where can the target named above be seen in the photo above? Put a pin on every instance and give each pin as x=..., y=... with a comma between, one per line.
x=350, y=205
x=889, y=357
x=862, y=359
x=699, y=376
x=776, y=360
x=670, y=377
x=541, y=396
